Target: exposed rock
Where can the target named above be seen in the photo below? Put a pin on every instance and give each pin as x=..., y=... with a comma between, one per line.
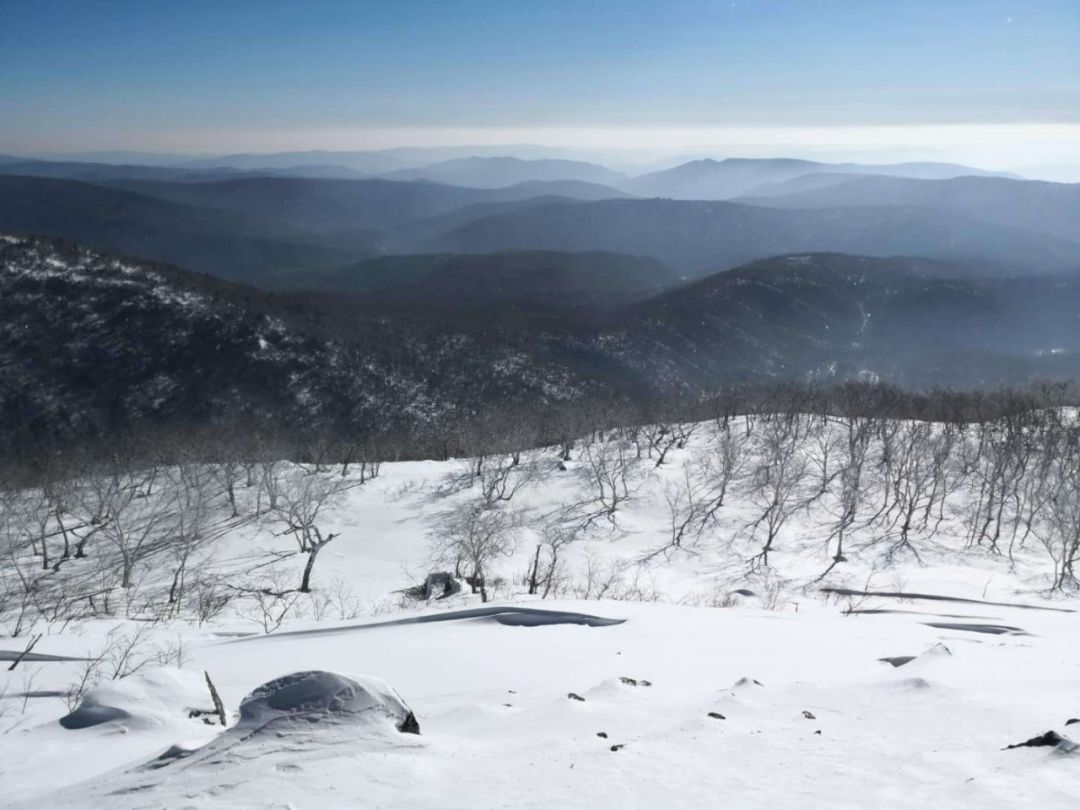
x=575, y=696
x=438, y=585
x=898, y=660
x=409, y=725
x=717, y=716
x=747, y=681
x=1051, y=739
x=89, y=714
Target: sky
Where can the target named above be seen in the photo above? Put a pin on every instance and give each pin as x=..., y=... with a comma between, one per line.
x=1000, y=80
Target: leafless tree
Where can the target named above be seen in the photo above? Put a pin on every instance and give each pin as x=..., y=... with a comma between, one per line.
x=777, y=479
x=475, y=536
x=302, y=496
x=606, y=469
x=853, y=488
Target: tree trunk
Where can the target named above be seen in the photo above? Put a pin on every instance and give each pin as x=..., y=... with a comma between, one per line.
x=305, y=583
x=535, y=572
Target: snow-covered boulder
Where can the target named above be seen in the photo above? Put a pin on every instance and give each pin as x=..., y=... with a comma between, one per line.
x=304, y=698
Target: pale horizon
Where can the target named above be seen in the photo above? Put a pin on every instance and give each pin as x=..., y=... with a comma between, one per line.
x=993, y=84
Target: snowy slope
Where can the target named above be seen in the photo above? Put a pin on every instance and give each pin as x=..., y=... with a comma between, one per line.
x=498, y=727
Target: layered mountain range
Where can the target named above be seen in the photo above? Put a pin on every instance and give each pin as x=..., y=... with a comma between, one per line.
x=289, y=293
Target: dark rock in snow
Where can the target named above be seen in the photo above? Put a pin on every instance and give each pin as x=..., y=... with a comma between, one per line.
x=1051, y=739
x=409, y=725
x=618, y=747
x=575, y=696
x=602, y=735
x=634, y=681
x=438, y=585
x=808, y=715
x=717, y=716
x=1072, y=720
x=898, y=660
x=89, y=714
x=746, y=681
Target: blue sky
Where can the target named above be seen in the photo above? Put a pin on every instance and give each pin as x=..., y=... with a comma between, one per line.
x=200, y=75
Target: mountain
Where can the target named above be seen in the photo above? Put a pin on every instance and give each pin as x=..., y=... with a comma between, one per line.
x=735, y=177
x=94, y=172
x=701, y=237
x=327, y=205
x=92, y=346
x=228, y=243
x=828, y=316
x=520, y=280
x=1039, y=207
x=371, y=162
x=498, y=172
x=248, y=227
x=574, y=189
x=367, y=162
x=125, y=156
x=315, y=204
x=109, y=171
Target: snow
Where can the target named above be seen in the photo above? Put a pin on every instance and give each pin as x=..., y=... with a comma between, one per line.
x=496, y=723
x=158, y=697
x=762, y=690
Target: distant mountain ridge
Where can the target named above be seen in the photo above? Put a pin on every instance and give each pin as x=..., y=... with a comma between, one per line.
x=227, y=243
x=498, y=172
x=241, y=225
x=734, y=177
x=697, y=238
x=1037, y=206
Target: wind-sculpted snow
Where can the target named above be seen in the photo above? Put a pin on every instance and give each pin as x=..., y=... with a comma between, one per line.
x=316, y=707
x=315, y=697
x=653, y=655
x=509, y=615
x=793, y=709
x=154, y=698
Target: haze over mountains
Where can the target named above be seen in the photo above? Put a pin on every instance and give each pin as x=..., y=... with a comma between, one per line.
x=416, y=343
x=473, y=280
x=682, y=216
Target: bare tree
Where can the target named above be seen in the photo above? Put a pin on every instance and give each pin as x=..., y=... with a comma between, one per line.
x=302, y=496
x=133, y=513
x=474, y=535
x=606, y=468
x=777, y=479
x=853, y=487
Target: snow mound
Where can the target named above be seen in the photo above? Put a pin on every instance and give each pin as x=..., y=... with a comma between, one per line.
x=304, y=698
x=302, y=712
x=937, y=652
x=153, y=698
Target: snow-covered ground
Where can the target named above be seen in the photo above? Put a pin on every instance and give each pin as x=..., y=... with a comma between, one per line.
x=700, y=697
